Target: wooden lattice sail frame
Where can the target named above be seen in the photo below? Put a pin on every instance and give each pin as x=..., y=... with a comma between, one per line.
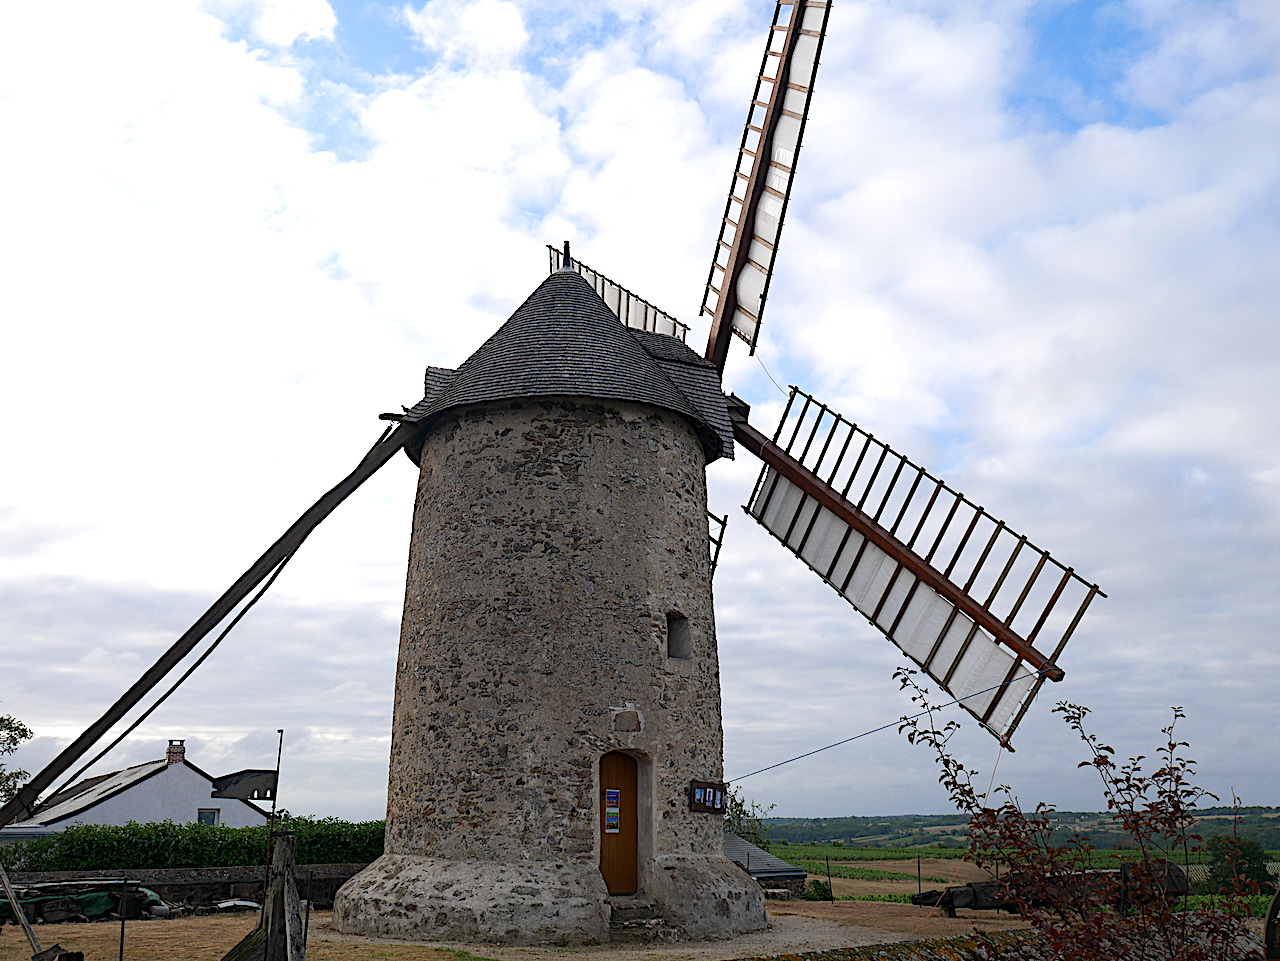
x=747, y=247
x=957, y=590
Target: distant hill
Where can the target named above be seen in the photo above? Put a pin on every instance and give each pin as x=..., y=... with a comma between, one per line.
x=1261, y=824
x=901, y=830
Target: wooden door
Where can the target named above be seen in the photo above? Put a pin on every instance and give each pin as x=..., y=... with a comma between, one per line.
x=619, y=835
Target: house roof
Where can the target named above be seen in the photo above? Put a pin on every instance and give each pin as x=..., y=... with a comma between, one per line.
x=563, y=341
x=756, y=861
x=69, y=792
x=83, y=795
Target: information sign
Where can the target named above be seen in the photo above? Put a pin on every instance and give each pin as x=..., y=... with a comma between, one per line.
x=707, y=797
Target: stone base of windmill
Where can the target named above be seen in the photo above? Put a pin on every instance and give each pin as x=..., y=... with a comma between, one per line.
x=540, y=902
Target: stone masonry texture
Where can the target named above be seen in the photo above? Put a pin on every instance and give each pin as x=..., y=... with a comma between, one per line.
x=552, y=538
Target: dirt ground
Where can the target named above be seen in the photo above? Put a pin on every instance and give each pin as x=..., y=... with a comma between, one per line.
x=795, y=926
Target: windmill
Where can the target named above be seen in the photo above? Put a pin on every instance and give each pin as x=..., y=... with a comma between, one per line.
x=557, y=690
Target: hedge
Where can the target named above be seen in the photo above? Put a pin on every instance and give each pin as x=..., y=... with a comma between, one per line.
x=133, y=846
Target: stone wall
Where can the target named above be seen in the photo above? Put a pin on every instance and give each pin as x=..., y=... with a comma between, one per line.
x=197, y=886
x=551, y=541
x=794, y=887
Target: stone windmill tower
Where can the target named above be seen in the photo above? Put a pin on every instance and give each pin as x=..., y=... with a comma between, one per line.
x=557, y=692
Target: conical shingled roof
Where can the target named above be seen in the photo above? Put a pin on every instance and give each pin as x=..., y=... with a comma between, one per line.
x=563, y=341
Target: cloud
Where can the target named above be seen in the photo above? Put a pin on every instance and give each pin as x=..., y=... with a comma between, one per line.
x=19, y=539
x=1202, y=49
x=483, y=33
x=278, y=23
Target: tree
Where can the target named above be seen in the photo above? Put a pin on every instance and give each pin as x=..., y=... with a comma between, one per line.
x=12, y=733
x=1237, y=863
x=746, y=819
x=1082, y=914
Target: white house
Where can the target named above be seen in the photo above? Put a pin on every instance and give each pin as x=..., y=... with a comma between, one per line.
x=171, y=789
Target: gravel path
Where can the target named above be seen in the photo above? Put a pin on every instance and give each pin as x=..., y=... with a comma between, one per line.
x=786, y=934
x=794, y=927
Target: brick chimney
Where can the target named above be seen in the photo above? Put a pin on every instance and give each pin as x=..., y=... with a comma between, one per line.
x=177, y=752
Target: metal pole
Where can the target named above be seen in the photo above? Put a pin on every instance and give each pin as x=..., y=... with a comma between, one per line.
x=279, y=754
x=124, y=894
x=275, y=793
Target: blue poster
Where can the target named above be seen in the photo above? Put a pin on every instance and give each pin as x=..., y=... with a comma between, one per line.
x=612, y=811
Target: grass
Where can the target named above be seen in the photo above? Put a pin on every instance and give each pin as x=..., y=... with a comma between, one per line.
x=1101, y=858
x=196, y=939
x=1256, y=906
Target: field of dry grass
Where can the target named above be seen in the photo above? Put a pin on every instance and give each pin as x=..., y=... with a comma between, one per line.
x=195, y=939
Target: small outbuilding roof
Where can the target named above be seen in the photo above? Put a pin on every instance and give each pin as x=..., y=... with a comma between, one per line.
x=758, y=862
x=563, y=341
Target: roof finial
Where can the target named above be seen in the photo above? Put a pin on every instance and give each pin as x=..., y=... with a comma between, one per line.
x=568, y=261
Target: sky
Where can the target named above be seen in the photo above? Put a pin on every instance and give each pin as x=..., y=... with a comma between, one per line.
x=1033, y=245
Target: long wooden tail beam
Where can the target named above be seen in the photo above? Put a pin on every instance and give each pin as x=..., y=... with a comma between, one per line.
x=22, y=804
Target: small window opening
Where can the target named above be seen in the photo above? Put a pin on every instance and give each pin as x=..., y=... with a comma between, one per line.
x=678, y=642
x=207, y=816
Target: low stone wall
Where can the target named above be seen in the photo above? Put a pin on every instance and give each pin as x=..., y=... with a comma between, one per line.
x=196, y=886
x=1005, y=946
x=793, y=886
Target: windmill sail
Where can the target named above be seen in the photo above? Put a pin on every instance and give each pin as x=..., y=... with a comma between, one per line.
x=632, y=310
x=955, y=589
x=742, y=266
